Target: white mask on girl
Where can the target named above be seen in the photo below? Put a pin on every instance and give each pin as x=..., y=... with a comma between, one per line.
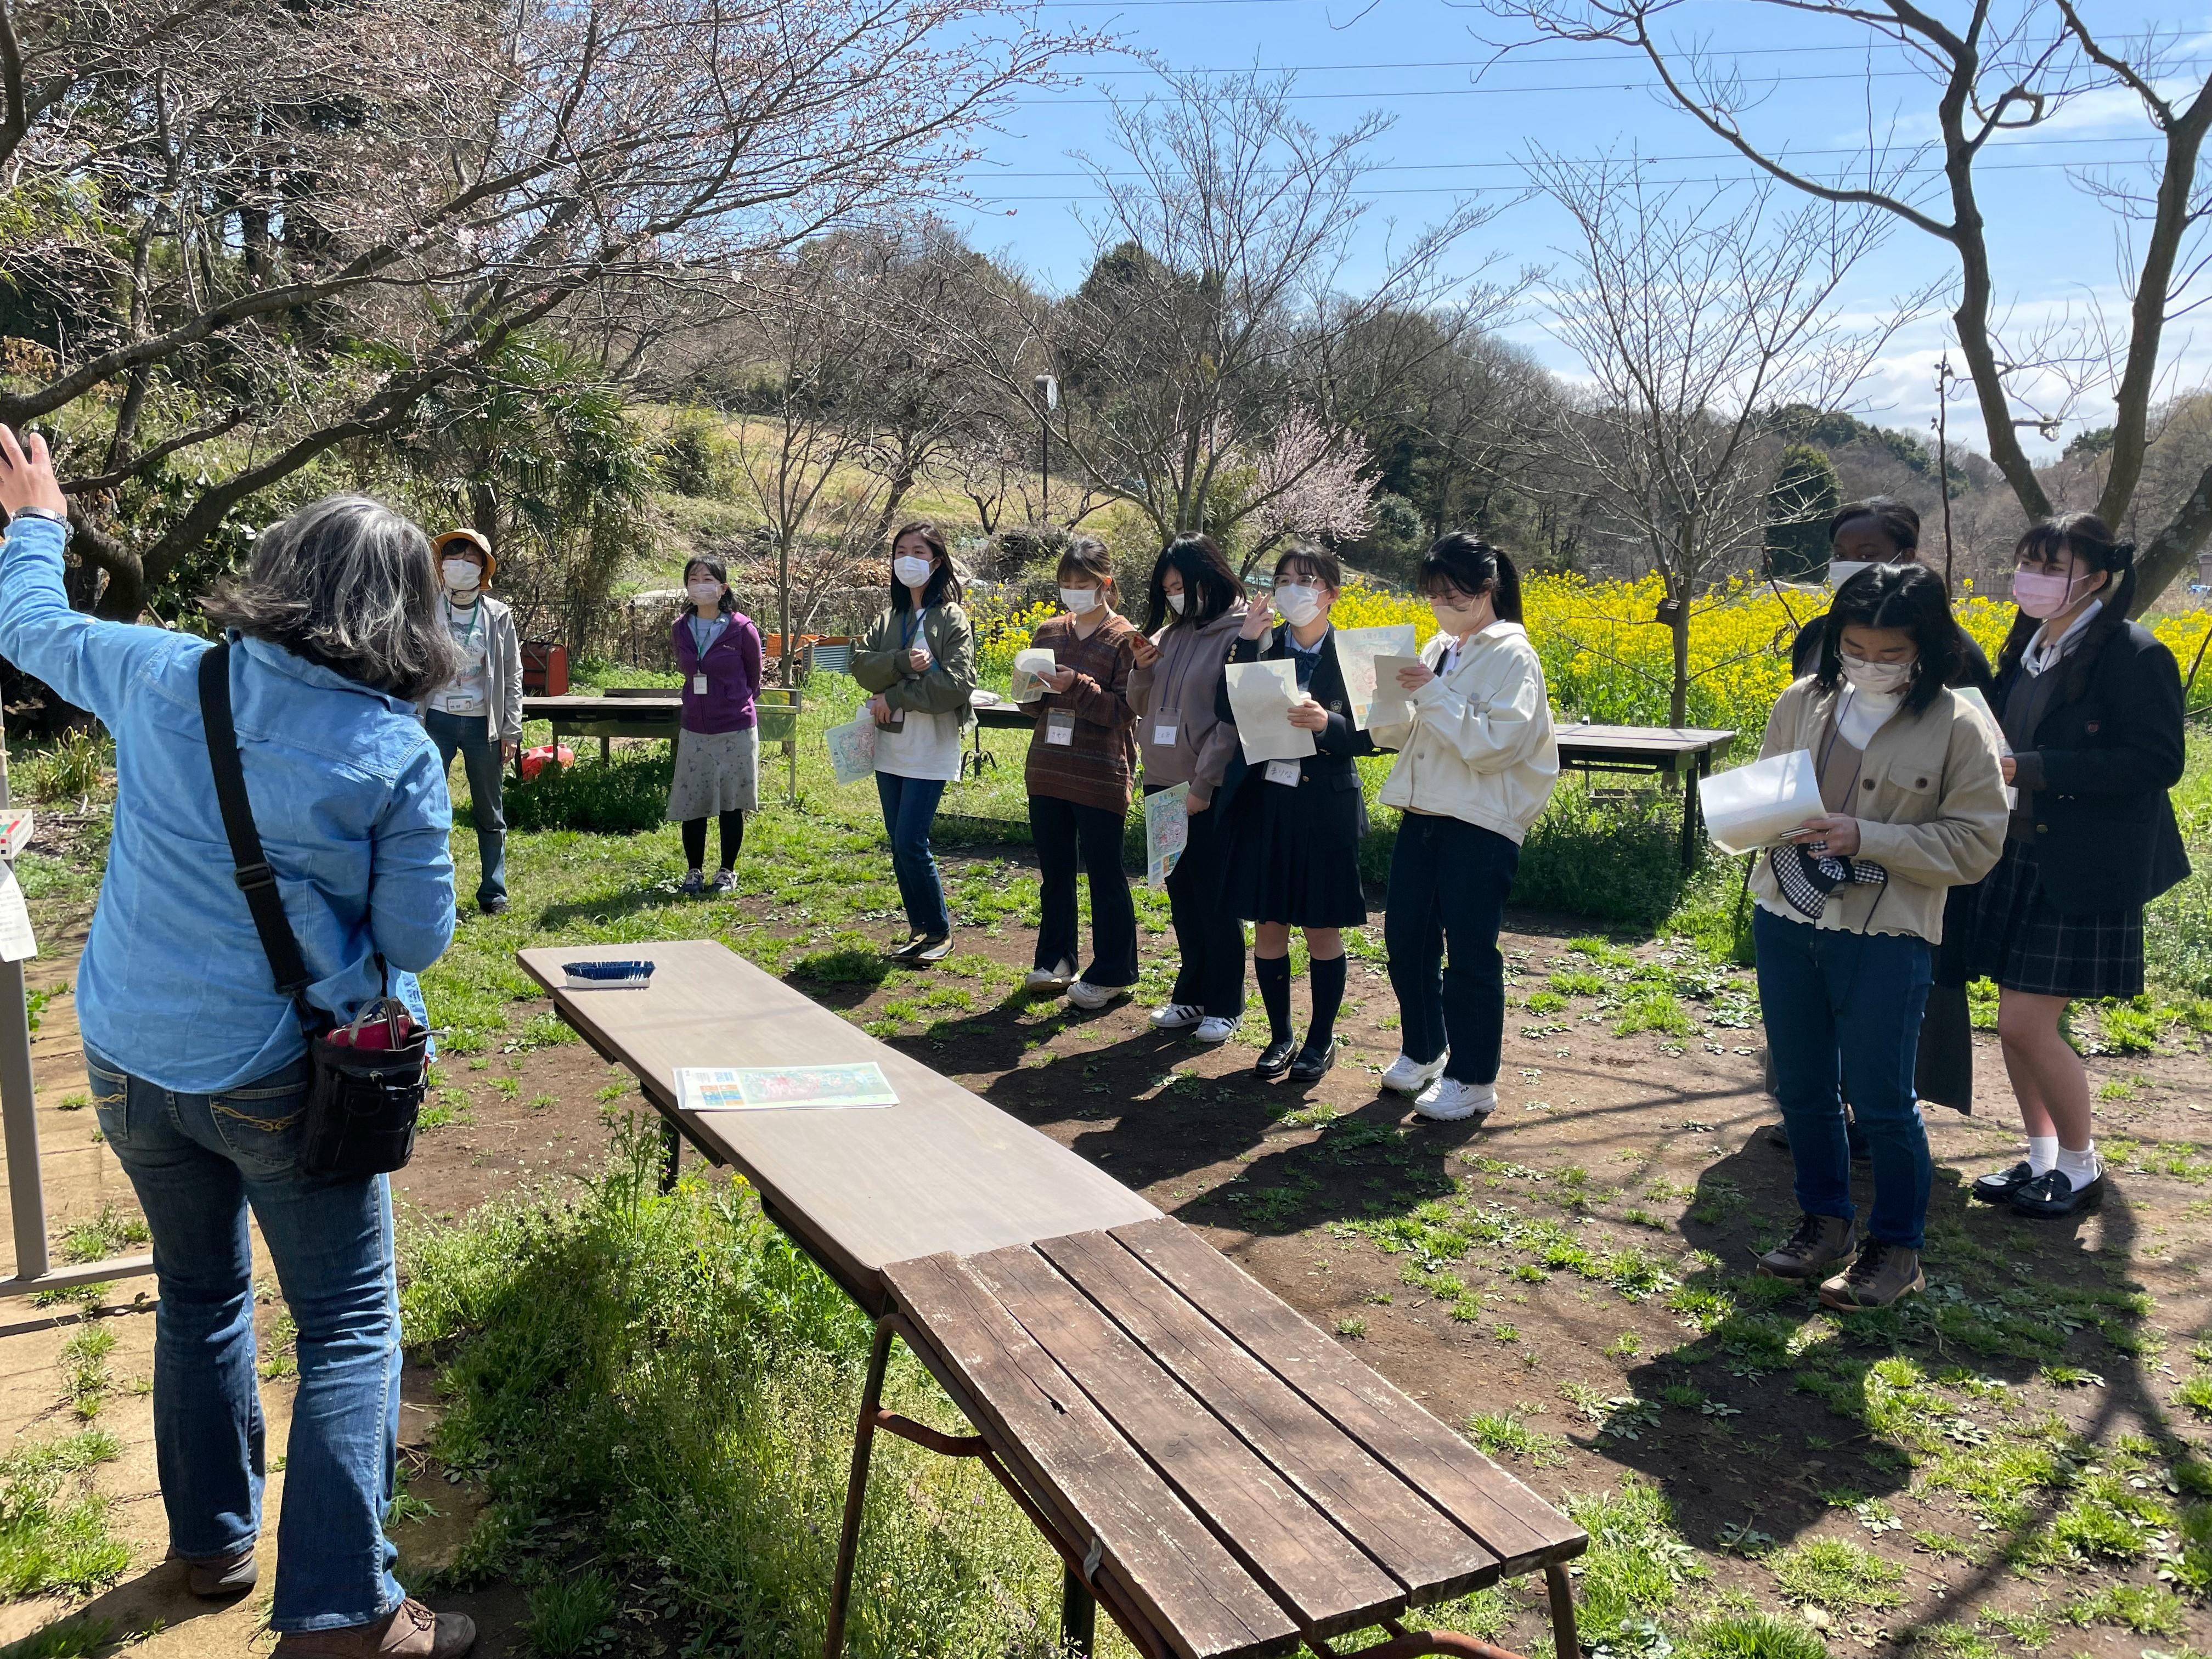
x=1298, y=603
x=461, y=575
x=1175, y=603
x=709, y=593
x=1079, y=601
x=1878, y=679
x=910, y=571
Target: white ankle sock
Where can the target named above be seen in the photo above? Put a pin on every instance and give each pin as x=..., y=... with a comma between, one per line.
x=2042, y=1154
x=2080, y=1168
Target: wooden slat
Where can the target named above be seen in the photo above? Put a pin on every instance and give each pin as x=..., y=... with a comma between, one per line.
x=943, y=1170
x=1295, y=1552
x=1413, y=1541
x=1516, y=1525
x=1156, y=1552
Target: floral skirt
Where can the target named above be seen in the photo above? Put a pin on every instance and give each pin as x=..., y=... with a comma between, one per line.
x=716, y=772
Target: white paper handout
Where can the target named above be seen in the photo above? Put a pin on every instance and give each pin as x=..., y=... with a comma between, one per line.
x=15, y=831
x=1026, y=684
x=775, y=1087
x=17, y=941
x=1359, y=652
x=1259, y=697
x=1756, y=805
x=853, y=747
x=1974, y=700
x=1167, y=832
x=1392, y=705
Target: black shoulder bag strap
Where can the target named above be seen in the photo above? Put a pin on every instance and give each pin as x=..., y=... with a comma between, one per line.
x=254, y=878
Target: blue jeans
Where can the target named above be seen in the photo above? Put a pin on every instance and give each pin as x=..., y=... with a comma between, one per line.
x=480, y=759
x=197, y=1163
x=909, y=809
x=1062, y=829
x=1843, y=1014
x=1449, y=880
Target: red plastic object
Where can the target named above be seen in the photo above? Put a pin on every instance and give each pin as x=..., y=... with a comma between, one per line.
x=544, y=668
x=376, y=1033
x=534, y=760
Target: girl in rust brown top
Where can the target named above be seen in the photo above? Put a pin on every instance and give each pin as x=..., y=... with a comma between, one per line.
x=1083, y=755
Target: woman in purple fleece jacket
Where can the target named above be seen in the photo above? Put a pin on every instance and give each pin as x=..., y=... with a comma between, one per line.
x=717, y=752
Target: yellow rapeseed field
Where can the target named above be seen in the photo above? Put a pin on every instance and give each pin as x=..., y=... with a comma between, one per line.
x=1606, y=659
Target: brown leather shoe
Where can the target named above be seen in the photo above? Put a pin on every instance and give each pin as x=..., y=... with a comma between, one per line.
x=410, y=1628
x=1883, y=1273
x=1820, y=1243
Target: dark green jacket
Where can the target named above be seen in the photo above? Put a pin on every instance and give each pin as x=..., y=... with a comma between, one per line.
x=880, y=665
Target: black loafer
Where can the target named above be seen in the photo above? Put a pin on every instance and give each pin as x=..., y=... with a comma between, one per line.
x=1275, y=1059
x=1999, y=1186
x=1776, y=1135
x=497, y=907
x=1312, y=1064
x=2053, y=1198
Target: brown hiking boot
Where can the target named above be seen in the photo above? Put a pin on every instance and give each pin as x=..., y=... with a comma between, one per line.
x=1883, y=1273
x=1818, y=1243
x=410, y=1628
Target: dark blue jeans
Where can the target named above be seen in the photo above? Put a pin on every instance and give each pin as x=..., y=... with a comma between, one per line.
x=197, y=1164
x=480, y=759
x=1061, y=830
x=1843, y=1015
x=910, y=809
x=1449, y=879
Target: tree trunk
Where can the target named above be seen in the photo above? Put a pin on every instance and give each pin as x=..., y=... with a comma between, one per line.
x=1678, y=693
x=2173, y=550
x=783, y=605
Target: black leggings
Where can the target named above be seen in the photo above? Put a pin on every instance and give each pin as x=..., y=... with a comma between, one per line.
x=733, y=839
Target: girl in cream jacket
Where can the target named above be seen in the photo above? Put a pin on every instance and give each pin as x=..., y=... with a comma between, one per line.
x=1476, y=762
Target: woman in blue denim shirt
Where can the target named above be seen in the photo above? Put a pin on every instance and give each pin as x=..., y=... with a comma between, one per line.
x=198, y=1063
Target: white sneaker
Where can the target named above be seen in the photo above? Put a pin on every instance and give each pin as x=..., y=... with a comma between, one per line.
x=1447, y=1100
x=1050, y=979
x=1212, y=1029
x=1083, y=994
x=1177, y=1017
x=1408, y=1076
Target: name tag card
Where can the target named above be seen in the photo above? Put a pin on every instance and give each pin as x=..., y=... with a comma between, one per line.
x=1164, y=727
x=1283, y=771
x=1059, y=727
x=698, y=685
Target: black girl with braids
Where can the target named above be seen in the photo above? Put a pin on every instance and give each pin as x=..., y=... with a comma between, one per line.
x=2091, y=706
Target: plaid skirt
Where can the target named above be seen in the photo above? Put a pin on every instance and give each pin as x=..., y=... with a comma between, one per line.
x=2004, y=929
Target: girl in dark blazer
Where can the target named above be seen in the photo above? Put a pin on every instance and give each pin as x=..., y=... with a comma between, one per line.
x=1292, y=829
x=2091, y=707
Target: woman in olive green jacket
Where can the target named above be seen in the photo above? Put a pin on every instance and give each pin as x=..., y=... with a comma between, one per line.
x=918, y=660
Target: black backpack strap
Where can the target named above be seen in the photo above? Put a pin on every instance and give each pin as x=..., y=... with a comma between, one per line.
x=254, y=878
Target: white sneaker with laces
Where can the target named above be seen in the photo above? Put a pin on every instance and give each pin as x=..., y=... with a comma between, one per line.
x=1213, y=1029
x=1049, y=979
x=1083, y=994
x=1408, y=1076
x=1177, y=1017
x=1447, y=1100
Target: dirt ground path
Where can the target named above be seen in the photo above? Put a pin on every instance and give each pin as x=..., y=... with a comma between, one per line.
x=1646, y=1137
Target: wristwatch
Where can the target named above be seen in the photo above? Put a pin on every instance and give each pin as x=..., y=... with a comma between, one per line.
x=51, y=516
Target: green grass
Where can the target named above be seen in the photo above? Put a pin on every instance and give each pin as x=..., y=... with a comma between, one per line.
x=1753, y=1636
x=1834, y=1572
x=2146, y=1609
x=1502, y=1434
x=53, y=1529
x=1636, y=1566
x=565, y=1329
x=111, y=1232
x=570, y=1616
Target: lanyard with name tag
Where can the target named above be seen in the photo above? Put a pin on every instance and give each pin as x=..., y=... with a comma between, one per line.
x=698, y=685
x=1165, y=727
x=1059, y=727
x=1283, y=771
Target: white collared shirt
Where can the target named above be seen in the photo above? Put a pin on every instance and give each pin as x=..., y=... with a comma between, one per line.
x=2041, y=655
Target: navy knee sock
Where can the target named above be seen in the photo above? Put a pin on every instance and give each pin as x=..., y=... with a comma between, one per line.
x=1273, y=974
x=1327, y=974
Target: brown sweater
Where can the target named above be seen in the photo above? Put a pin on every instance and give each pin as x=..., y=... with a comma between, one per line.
x=1094, y=768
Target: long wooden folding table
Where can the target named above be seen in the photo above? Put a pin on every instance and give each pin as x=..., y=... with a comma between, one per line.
x=1208, y=1463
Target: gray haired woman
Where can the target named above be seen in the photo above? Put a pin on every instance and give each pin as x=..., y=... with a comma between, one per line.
x=198, y=1063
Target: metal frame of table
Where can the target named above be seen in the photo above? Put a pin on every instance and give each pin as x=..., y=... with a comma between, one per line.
x=1661, y=750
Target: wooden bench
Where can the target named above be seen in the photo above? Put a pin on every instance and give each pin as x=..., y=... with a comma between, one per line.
x=1224, y=1476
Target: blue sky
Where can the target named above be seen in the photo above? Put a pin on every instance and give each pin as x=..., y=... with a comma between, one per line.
x=1460, y=126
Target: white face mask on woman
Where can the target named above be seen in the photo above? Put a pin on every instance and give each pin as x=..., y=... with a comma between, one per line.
x=1175, y=603
x=910, y=571
x=1299, y=603
x=1079, y=601
x=1877, y=679
x=706, y=594
x=461, y=575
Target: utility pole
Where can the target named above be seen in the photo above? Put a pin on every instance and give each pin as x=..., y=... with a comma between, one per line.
x=1944, y=375
x=1047, y=393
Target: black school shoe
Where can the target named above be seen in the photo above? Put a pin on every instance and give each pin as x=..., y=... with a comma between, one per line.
x=1275, y=1059
x=2052, y=1197
x=1999, y=1185
x=1313, y=1064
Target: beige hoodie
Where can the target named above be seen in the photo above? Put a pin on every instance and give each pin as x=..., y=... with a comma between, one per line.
x=1189, y=673
x=1480, y=745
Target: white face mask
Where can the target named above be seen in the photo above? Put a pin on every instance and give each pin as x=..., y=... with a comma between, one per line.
x=461, y=575
x=1877, y=679
x=1299, y=603
x=1175, y=603
x=704, y=592
x=1079, y=601
x=1457, y=624
x=910, y=571
x=1842, y=570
